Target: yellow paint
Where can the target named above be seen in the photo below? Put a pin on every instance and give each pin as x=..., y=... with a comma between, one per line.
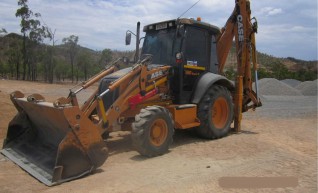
x=102, y=109
x=194, y=67
x=159, y=82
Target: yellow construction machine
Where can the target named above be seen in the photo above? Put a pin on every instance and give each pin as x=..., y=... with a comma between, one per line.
x=176, y=82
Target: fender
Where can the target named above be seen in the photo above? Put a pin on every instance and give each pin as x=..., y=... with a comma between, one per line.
x=206, y=81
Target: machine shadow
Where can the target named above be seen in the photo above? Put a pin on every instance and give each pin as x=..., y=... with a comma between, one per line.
x=121, y=142
x=244, y=132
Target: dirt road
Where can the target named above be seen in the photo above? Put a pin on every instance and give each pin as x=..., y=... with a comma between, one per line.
x=278, y=140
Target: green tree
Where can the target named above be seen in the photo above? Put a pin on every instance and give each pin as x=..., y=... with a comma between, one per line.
x=279, y=70
x=85, y=63
x=263, y=73
x=33, y=33
x=61, y=70
x=14, y=56
x=50, y=62
x=106, y=57
x=3, y=69
x=71, y=43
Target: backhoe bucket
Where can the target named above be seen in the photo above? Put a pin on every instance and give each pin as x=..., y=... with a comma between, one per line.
x=54, y=144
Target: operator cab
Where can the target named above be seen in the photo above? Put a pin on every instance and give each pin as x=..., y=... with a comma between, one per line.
x=194, y=40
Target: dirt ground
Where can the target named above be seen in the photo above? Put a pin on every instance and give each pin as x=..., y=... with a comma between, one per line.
x=277, y=140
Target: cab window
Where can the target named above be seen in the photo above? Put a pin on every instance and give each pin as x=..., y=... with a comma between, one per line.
x=196, y=48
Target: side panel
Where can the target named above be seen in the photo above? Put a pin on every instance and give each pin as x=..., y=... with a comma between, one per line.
x=206, y=81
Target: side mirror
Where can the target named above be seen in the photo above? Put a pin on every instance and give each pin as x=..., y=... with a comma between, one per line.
x=128, y=38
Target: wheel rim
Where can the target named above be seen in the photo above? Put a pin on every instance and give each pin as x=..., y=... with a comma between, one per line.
x=220, y=112
x=158, y=132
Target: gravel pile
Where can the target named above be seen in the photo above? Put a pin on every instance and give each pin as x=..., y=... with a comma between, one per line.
x=271, y=86
x=291, y=82
x=308, y=88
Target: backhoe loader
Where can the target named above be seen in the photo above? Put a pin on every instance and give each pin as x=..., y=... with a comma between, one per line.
x=176, y=82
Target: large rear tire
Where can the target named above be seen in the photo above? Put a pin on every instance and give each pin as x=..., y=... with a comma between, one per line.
x=215, y=112
x=152, y=131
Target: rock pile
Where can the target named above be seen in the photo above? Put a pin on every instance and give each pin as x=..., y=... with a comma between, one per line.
x=308, y=88
x=291, y=82
x=271, y=86
x=287, y=87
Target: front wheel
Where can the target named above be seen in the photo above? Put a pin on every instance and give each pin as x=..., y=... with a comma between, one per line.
x=215, y=112
x=152, y=131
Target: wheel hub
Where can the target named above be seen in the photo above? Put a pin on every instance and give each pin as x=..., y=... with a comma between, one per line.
x=220, y=113
x=158, y=132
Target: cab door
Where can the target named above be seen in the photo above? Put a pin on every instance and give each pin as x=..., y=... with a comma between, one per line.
x=196, y=50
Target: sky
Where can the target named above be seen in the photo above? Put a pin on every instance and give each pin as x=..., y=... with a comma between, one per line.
x=287, y=28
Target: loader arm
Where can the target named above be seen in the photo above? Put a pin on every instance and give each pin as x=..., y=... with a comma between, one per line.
x=240, y=26
x=140, y=86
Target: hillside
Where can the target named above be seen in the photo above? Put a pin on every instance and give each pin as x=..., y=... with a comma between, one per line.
x=274, y=67
x=56, y=60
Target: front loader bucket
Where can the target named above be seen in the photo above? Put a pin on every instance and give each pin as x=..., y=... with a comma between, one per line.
x=54, y=144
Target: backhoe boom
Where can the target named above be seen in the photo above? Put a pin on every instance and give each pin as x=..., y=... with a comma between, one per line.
x=240, y=26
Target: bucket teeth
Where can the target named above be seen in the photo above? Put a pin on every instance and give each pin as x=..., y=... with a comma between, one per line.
x=35, y=98
x=16, y=94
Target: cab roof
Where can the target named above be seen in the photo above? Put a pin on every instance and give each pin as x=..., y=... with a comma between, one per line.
x=171, y=23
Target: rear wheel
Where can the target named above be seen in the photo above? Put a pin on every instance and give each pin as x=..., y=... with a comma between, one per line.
x=152, y=131
x=215, y=112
